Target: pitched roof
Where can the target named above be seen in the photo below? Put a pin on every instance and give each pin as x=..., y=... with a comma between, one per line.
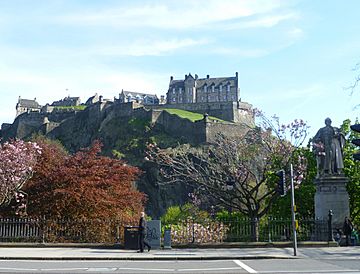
x=28, y=103
x=177, y=83
x=126, y=93
x=216, y=81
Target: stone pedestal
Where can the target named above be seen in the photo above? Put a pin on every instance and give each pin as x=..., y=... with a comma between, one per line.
x=331, y=194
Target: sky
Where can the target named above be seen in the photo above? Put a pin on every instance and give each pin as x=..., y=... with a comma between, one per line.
x=295, y=58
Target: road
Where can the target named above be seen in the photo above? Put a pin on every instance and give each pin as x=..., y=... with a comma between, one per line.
x=267, y=266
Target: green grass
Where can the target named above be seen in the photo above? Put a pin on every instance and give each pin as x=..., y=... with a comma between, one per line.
x=80, y=107
x=192, y=116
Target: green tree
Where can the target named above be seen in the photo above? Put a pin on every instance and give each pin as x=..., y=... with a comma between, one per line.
x=352, y=171
x=238, y=173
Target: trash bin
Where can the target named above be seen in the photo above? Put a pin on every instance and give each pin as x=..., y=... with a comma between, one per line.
x=131, y=237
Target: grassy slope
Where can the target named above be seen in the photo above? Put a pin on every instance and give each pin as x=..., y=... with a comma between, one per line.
x=192, y=116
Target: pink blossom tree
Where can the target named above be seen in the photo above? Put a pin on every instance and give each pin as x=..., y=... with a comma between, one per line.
x=17, y=160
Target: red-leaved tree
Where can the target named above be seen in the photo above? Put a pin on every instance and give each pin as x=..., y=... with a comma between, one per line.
x=83, y=186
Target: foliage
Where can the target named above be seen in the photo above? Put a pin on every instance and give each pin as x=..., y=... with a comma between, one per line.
x=83, y=186
x=352, y=171
x=177, y=214
x=192, y=116
x=135, y=134
x=238, y=173
x=17, y=160
x=211, y=231
x=304, y=194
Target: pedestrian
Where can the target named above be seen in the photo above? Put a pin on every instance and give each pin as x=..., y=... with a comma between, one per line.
x=142, y=232
x=347, y=229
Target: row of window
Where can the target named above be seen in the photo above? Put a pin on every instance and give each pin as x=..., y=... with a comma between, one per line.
x=203, y=99
x=205, y=89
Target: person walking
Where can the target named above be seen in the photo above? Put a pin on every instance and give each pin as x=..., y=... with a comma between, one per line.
x=142, y=233
x=347, y=229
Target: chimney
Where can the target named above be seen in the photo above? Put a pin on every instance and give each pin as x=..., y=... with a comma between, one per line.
x=208, y=76
x=171, y=78
x=236, y=74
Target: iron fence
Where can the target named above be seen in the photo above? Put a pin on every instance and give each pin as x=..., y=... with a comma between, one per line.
x=60, y=230
x=248, y=230
x=190, y=231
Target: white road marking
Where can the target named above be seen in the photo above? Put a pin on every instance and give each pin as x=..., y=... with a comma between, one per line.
x=244, y=266
x=102, y=269
x=63, y=269
x=19, y=269
x=209, y=269
x=146, y=269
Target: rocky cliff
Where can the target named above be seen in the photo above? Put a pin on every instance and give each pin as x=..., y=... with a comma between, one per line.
x=124, y=130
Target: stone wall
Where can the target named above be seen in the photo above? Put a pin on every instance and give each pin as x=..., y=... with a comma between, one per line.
x=231, y=130
x=180, y=127
x=238, y=112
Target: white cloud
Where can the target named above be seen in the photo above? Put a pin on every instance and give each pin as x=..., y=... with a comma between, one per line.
x=171, y=14
x=147, y=48
x=296, y=33
x=262, y=22
x=240, y=52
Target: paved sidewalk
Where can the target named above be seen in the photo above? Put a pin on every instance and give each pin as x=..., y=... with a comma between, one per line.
x=98, y=253
x=75, y=253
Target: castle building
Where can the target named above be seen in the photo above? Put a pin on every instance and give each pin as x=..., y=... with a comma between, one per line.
x=203, y=90
x=67, y=102
x=27, y=105
x=142, y=98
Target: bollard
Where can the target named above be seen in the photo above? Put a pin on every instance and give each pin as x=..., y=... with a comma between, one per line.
x=167, y=238
x=330, y=235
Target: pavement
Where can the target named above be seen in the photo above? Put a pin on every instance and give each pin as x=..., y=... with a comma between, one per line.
x=102, y=253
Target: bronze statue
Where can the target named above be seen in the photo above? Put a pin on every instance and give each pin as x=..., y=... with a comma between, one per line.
x=328, y=144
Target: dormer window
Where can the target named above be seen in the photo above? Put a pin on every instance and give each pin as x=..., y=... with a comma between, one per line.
x=228, y=87
x=213, y=88
x=205, y=88
x=220, y=88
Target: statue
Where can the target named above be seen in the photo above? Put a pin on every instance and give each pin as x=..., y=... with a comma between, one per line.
x=328, y=144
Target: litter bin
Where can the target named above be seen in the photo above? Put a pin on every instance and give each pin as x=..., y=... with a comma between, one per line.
x=131, y=237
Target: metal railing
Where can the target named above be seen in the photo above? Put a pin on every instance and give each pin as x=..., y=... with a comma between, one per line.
x=190, y=231
x=248, y=230
x=61, y=230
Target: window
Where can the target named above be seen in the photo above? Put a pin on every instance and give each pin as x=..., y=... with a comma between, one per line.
x=180, y=90
x=173, y=99
x=213, y=88
x=228, y=87
x=189, y=90
x=220, y=88
x=205, y=88
x=173, y=90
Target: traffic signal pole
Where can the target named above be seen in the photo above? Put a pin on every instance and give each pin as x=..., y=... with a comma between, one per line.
x=293, y=210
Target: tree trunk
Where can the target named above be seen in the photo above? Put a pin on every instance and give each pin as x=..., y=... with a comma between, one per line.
x=254, y=229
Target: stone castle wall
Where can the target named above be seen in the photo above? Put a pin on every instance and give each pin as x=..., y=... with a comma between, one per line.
x=238, y=112
x=99, y=113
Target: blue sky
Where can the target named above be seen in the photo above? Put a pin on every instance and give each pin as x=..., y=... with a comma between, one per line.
x=294, y=58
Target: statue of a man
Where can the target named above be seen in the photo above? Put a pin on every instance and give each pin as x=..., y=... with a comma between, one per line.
x=328, y=145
